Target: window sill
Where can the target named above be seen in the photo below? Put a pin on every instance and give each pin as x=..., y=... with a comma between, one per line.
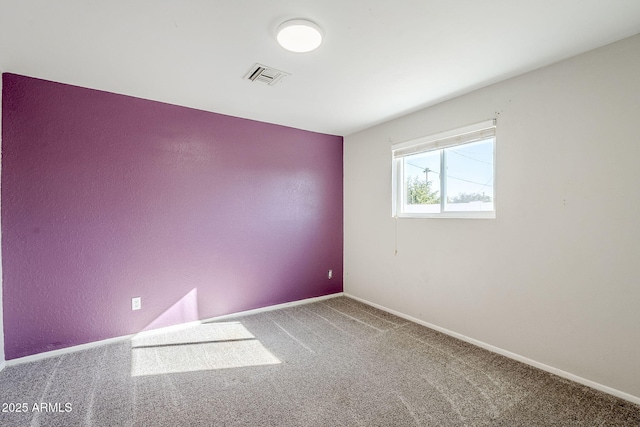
x=450, y=215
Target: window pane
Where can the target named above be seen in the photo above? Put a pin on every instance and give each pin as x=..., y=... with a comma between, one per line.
x=421, y=179
x=469, y=177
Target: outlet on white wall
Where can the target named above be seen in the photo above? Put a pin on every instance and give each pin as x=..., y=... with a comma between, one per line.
x=136, y=303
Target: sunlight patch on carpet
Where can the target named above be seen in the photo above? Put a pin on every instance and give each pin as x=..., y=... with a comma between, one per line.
x=203, y=347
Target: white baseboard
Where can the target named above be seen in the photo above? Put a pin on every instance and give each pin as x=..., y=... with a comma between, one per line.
x=66, y=350
x=80, y=347
x=3, y=365
x=275, y=307
x=506, y=353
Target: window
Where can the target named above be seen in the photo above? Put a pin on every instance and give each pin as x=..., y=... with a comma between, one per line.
x=449, y=175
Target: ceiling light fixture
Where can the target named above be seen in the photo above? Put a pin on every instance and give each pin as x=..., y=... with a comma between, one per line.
x=299, y=35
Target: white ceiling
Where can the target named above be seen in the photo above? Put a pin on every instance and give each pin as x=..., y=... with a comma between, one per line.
x=380, y=58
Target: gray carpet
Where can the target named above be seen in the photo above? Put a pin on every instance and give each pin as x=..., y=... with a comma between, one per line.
x=331, y=363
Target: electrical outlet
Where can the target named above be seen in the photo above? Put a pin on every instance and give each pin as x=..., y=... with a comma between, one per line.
x=136, y=303
x=330, y=274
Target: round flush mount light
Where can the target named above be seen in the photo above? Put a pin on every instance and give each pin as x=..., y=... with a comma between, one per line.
x=299, y=35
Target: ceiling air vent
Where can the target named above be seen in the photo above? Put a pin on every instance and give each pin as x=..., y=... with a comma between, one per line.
x=263, y=74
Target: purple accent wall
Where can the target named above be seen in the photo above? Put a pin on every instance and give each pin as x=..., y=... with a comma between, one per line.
x=106, y=197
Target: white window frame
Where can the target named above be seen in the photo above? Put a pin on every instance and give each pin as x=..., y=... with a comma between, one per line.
x=440, y=141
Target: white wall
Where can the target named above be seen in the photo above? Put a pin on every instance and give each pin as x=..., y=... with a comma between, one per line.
x=556, y=276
